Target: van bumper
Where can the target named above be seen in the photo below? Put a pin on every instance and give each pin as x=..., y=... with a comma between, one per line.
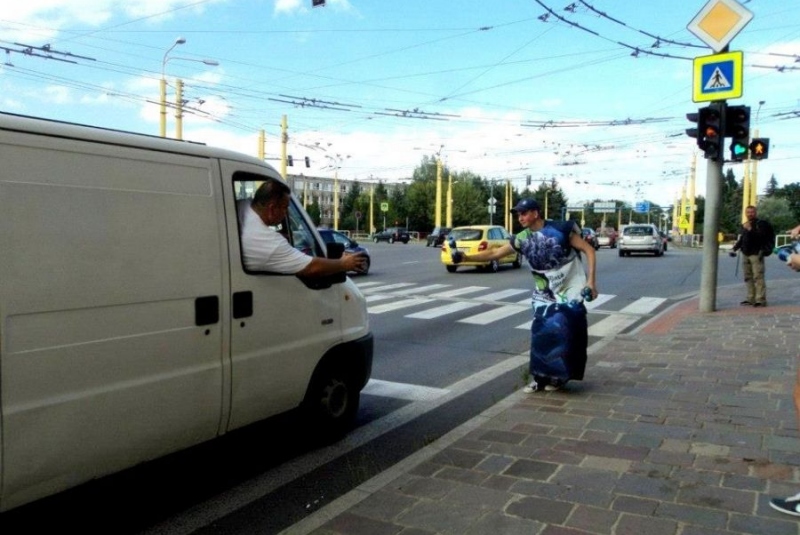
x=361, y=350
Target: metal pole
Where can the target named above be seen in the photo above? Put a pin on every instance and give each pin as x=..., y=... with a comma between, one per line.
x=163, y=119
x=708, y=275
x=491, y=196
x=437, y=218
x=179, y=109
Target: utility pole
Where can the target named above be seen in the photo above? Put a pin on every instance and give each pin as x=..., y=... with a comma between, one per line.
x=284, y=141
x=718, y=77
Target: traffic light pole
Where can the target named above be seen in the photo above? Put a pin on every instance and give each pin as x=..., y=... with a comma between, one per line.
x=708, y=275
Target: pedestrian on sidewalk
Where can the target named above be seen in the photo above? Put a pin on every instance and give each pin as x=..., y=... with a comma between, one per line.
x=791, y=505
x=756, y=241
x=559, y=331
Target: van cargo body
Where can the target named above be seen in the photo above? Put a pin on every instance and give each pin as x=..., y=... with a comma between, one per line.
x=129, y=328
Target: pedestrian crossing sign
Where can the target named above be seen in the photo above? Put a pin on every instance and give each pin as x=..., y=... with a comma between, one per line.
x=718, y=77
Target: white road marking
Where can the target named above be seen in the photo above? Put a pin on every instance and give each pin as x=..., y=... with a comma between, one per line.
x=397, y=305
x=601, y=298
x=498, y=296
x=444, y=310
x=612, y=325
x=378, y=297
x=420, y=289
x=461, y=291
x=388, y=389
x=498, y=314
x=388, y=287
x=643, y=305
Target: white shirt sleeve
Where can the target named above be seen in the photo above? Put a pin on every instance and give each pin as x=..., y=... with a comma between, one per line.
x=264, y=249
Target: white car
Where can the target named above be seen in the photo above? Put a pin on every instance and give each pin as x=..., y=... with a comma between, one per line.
x=641, y=238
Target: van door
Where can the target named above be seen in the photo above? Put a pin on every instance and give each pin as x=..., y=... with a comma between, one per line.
x=280, y=327
x=110, y=285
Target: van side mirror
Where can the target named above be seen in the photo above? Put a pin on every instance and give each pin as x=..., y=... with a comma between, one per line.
x=335, y=250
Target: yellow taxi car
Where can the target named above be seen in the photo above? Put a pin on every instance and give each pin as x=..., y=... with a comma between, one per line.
x=476, y=238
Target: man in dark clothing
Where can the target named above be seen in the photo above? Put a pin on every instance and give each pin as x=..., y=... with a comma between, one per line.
x=756, y=240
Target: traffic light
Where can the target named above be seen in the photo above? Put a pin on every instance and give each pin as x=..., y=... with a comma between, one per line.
x=290, y=161
x=528, y=180
x=694, y=132
x=709, y=128
x=308, y=161
x=317, y=3
x=759, y=148
x=737, y=127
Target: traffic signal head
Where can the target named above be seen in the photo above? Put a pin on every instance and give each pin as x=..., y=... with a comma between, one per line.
x=709, y=128
x=737, y=127
x=694, y=118
x=308, y=161
x=290, y=160
x=759, y=148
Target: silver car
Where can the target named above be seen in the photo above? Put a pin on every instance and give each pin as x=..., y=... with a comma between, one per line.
x=641, y=238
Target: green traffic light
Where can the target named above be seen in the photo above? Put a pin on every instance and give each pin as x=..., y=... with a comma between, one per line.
x=739, y=149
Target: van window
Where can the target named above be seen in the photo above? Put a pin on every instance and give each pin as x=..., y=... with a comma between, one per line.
x=294, y=227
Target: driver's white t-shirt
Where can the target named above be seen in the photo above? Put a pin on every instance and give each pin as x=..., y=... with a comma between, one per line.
x=264, y=249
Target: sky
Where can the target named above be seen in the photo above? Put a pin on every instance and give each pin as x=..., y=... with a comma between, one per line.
x=591, y=94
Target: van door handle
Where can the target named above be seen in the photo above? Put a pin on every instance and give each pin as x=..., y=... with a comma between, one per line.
x=206, y=310
x=242, y=304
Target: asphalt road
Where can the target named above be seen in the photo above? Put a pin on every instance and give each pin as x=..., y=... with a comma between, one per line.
x=448, y=346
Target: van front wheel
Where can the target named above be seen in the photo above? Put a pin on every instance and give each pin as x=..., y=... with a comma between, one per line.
x=332, y=402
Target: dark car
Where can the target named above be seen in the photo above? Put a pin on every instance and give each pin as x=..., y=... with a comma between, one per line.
x=392, y=234
x=437, y=237
x=350, y=246
x=591, y=237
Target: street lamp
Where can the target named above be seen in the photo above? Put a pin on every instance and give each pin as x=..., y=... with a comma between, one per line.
x=163, y=86
x=163, y=89
x=546, y=193
x=336, y=163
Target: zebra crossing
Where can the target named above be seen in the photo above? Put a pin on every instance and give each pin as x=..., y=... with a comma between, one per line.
x=427, y=302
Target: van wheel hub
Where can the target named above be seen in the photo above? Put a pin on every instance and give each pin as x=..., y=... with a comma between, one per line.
x=335, y=398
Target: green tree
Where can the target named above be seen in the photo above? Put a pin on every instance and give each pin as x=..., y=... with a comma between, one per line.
x=350, y=205
x=778, y=212
x=730, y=217
x=315, y=213
x=791, y=192
x=772, y=186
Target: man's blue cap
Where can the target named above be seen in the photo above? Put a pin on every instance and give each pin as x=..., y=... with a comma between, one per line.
x=526, y=205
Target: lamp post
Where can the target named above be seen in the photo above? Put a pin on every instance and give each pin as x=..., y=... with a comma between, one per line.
x=336, y=163
x=163, y=89
x=163, y=85
x=546, y=194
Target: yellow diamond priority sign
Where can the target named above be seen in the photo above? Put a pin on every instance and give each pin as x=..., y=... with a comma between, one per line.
x=719, y=22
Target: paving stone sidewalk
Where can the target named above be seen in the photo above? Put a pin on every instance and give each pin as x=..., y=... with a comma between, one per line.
x=685, y=427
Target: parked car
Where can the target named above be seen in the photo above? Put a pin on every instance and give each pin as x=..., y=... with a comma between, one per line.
x=350, y=246
x=607, y=237
x=591, y=237
x=475, y=238
x=392, y=234
x=641, y=238
x=437, y=237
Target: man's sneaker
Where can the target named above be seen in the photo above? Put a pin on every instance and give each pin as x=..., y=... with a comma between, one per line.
x=531, y=388
x=552, y=388
x=790, y=505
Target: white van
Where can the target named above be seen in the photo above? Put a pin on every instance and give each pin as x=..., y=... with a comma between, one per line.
x=129, y=328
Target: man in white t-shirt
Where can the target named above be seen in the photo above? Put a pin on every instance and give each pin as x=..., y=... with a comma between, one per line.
x=265, y=249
